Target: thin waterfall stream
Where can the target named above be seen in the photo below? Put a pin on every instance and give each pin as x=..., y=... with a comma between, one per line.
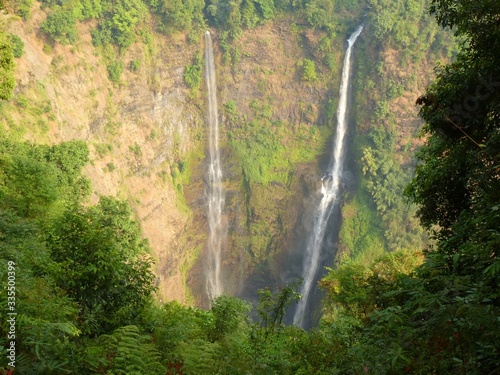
x=215, y=191
x=330, y=185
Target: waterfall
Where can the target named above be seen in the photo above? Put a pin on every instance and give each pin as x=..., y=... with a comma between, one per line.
x=330, y=184
x=215, y=192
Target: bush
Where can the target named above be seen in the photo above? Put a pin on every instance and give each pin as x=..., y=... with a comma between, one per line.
x=193, y=74
x=309, y=71
x=7, y=81
x=135, y=65
x=17, y=45
x=23, y=8
x=119, y=26
x=60, y=25
x=182, y=15
x=91, y=9
x=115, y=70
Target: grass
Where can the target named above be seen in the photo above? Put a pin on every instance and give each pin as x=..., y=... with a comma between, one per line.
x=29, y=112
x=102, y=149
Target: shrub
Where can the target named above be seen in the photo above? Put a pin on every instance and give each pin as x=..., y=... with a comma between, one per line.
x=23, y=8
x=135, y=65
x=60, y=25
x=7, y=81
x=115, y=70
x=119, y=26
x=17, y=45
x=193, y=73
x=309, y=71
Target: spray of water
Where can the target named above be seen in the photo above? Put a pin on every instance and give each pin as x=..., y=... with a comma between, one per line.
x=215, y=192
x=330, y=184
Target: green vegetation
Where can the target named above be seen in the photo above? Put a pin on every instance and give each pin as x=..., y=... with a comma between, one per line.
x=60, y=26
x=135, y=66
x=179, y=15
x=136, y=149
x=260, y=153
x=267, y=152
x=102, y=149
x=309, y=70
x=20, y=114
x=22, y=8
x=385, y=181
x=193, y=74
x=84, y=283
x=17, y=45
x=385, y=167
x=103, y=245
x=7, y=81
x=442, y=318
x=115, y=70
x=81, y=271
x=362, y=236
x=119, y=22
x=259, y=145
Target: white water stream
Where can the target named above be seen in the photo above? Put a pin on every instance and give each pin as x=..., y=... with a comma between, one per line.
x=330, y=184
x=215, y=192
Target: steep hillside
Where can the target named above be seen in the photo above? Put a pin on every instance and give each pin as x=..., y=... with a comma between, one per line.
x=137, y=129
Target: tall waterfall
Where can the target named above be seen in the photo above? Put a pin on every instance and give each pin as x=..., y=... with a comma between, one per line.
x=215, y=192
x=329, y=188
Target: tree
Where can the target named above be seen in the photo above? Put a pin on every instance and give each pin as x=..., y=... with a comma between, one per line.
x=457, y=188
x=456, y=184
x=103, y=264
x=30, y=186
x=229, y=313
x=266, y=9
x=115, y=70
x=35, y=178
x=118, y=25
x=91, y=8
x=273, y=305
x=320, y=13
x=60, y=25
x=34, y=181
x=180, y=14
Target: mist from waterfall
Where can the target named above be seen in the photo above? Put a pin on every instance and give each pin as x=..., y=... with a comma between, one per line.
x=215, y=192
x=330, y=184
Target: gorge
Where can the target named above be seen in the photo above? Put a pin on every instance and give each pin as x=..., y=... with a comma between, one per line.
x=164, y=188
x=150, y=144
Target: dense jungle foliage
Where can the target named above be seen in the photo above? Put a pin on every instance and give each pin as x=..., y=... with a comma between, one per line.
x=84, y=285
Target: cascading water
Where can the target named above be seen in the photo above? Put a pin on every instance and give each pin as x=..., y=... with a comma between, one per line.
x=330, y=184
x=215, y=192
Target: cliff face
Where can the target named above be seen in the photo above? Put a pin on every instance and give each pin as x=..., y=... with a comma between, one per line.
x=147, y=135
x=137, y=129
